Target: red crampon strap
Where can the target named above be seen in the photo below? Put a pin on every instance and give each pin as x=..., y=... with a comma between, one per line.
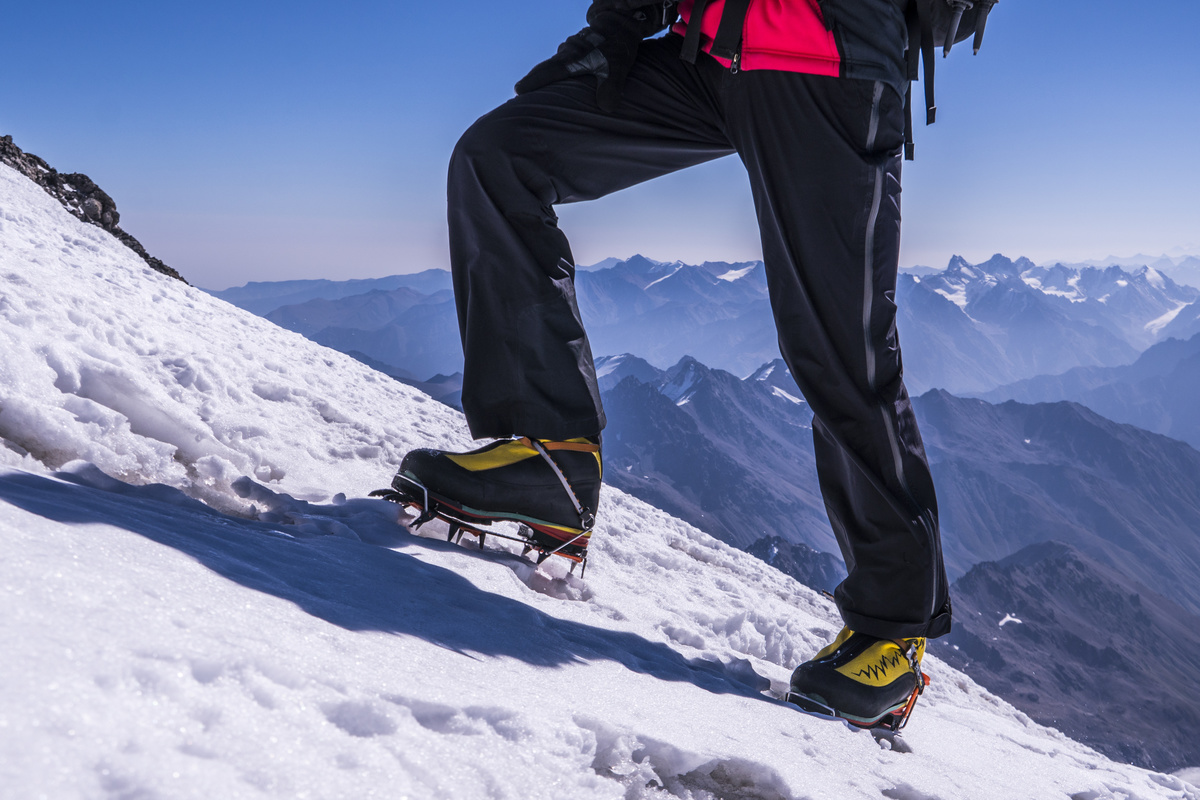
x=900, y=722
x=909, y=650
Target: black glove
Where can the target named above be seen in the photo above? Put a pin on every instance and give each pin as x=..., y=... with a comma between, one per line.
x=664, y=10
x=605, y=49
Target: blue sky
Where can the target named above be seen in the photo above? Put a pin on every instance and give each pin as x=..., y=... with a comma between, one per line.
x=270, y=140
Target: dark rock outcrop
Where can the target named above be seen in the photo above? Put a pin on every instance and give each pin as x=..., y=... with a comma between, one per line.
x=816, y=570
x=80, y=195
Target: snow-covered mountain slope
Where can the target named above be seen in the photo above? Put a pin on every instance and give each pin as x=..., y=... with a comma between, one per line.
x=154, y=647
x=153, y=381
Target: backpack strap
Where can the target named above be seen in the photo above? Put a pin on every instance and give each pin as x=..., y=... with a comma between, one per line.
x=691, y=40
x=912, y=58
x=928, y=21
x=728, y=42
x=925, y=12
x=918, y=16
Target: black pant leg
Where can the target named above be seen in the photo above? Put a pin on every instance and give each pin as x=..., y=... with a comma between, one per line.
x=528, y=365
x=824, y=161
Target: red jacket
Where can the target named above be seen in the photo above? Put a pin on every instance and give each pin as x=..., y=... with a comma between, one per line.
x=866, y=39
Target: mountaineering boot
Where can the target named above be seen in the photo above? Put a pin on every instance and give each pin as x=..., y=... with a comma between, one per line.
x=869, y=682
x=552, y=487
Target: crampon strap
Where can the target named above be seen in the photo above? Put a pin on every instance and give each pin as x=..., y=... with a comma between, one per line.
x=899, y=721
x=586, y=517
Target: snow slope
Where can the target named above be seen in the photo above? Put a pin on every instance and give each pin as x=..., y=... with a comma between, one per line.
x=304, y=645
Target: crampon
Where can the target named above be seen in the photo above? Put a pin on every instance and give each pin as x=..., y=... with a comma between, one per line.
x=891, y=722
x=429, y=506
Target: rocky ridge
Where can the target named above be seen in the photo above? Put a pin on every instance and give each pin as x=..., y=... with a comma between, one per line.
x=80, y=195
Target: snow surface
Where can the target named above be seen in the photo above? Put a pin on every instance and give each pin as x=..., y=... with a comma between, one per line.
x=734, y=274
x=304, y=645
x=671, y=274
x=789, y=397
x=958, y=296
x=1156, y=325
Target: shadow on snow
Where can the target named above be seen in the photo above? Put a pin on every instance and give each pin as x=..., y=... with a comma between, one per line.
x=356, y=586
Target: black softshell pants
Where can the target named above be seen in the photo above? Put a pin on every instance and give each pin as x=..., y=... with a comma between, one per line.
x=823, y=156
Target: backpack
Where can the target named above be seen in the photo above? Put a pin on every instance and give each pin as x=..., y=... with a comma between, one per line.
x=934, y=23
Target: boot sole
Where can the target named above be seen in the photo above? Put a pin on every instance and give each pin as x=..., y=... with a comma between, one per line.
x=818, y=708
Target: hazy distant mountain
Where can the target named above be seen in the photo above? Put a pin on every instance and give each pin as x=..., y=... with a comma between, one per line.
x=965, y=328
x=1182, y=268
x=1079, y=646
x=262, y=297
x=717, y=312
x=402, y=328
x=367, y=311
x=1011, y=475
x=1005, y=320
x=968, y=328
x=920, y=271
x=1136, y=304
x=1159, y=392
x=604, y=263
x=1185, y=324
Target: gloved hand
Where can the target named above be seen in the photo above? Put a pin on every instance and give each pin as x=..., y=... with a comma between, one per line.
x=605, y=49
x=644, y=10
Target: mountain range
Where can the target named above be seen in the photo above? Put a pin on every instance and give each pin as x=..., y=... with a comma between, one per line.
x=1075, y=644
x=1159, y=391
x=734, y=457
x=731, y=456
x=1181, y=268
x=263, y=297
x=968, y=328
x=973, y=327
x=1079, y=646
x=1011, y=475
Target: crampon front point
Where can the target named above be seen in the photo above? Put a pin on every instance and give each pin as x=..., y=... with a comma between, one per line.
x=429, y=506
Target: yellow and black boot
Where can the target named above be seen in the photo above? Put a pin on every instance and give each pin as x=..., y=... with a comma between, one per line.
x=870, y=682
x=552, y=487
